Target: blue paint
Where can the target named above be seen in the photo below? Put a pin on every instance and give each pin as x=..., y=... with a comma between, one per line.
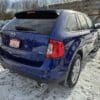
x=34, y=48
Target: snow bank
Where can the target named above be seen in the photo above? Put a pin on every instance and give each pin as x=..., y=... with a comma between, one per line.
x=16, y=87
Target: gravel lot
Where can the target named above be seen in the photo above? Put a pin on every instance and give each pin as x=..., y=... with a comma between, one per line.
x=17, y=87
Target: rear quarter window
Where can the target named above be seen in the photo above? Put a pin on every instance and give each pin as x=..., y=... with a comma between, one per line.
x=83, y=21
x=72, y=24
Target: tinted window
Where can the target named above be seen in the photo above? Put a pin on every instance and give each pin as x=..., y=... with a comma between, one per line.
x=41, y=26
x=83, y=21
x=72, y=23
x=78, y=22
x=89, y=21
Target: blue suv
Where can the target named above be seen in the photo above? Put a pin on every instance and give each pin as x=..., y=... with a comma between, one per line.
x=47, y=44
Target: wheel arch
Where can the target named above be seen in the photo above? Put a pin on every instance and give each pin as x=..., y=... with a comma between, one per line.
x=78, y=51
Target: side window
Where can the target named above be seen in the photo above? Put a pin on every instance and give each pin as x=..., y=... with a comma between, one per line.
x=78, y=23
x=83, y=22
x=89, y=22
x=72, y=23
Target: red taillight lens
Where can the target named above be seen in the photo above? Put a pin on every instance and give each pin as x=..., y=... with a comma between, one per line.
x=55, y=49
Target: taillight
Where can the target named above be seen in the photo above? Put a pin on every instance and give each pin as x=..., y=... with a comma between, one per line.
x=55, y=49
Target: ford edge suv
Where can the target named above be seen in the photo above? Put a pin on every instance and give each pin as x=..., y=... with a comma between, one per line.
x=47, y=44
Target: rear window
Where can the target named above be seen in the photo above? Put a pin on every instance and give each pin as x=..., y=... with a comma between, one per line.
x=40, y=22
x=41, y=26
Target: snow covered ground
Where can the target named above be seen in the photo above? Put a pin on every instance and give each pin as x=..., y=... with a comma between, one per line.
x=17, y=87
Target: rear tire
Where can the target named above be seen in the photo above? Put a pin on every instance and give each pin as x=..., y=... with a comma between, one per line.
x=74, y=73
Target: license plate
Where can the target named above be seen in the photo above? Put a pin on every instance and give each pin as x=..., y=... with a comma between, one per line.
x=15, y=43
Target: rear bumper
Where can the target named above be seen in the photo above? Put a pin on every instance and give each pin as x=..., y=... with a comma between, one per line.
x=42, y=73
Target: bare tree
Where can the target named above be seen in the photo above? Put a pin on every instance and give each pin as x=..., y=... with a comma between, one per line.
x=3, y=5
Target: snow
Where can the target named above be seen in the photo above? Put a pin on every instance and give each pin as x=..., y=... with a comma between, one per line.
x=16, y=87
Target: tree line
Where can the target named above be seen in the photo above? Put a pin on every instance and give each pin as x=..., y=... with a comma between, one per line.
x=7, y=9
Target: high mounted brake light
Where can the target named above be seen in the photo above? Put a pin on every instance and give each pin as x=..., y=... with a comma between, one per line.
x=55, y=49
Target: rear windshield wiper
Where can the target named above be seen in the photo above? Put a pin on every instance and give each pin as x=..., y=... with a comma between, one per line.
x=20, y=28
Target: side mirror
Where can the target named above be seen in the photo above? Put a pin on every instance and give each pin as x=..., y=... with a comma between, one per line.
x=97, y=25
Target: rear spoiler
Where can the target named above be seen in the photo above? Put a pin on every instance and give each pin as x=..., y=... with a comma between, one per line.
x=42, y=14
